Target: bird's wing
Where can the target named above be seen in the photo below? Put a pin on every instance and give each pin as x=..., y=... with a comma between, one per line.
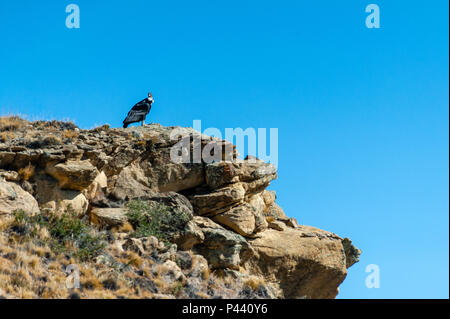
x=141, y=106
x=134, y=117
x=138, y=112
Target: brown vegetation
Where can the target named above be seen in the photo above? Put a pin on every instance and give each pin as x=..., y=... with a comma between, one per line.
x=11, y=123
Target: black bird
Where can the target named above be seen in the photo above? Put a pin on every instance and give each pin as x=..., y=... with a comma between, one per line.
x=139, y=111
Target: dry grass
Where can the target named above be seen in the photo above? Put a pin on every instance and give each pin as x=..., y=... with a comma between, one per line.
x=270, y=219
x=11, y=123
x=132, y=259
x=141, y=143
x=124, y=228
x=160, y=283
x=26, y=172
x=254, y=282
x=6, y=136
x=32, y=269
x=70, y=134
x=203, y=295
x=5, y=222
x=91, y=283
x=205, y=273
x=52, y=140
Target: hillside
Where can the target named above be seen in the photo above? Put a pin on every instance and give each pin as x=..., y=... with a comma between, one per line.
x=111, y=203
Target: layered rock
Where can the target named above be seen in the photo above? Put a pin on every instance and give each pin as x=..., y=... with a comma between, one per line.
x=234, y=221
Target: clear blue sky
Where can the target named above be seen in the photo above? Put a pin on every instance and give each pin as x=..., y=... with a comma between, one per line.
x=362, y=113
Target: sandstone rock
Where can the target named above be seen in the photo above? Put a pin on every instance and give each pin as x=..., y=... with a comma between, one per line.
x=276, y=212
x=99, y=184
x=131, y=183
x=222, y=248
x=134, y=244
x=352, y=253
x=184, y=260
x=311, y=266
x=258, y=207
x=171, y=269
x=6, y=158
x=239, y=229
x=22, y=159
x=108, y=217
x=254, y=174
x=240, y=219
x=220, y=173
x=169, y=254
x=191, y=236
x=143, y=246
x=51, y=197
x=10, y=176
x=260, y=224
x=292, y=222
x=257, y=203
x=268, y=197
x=151, y=242
x=74, y=175
x=212, y=203
x=13, y=197
x=175, y=177
x=277, y=225
x=199, y=265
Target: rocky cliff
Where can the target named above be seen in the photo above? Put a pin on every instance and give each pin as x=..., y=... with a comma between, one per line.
x=111, y=203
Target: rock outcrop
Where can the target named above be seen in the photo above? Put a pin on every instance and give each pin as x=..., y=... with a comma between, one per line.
x=232, y=221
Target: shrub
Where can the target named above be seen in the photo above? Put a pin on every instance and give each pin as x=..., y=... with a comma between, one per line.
x=155, y=219
x=176, y=289
x=68, y=234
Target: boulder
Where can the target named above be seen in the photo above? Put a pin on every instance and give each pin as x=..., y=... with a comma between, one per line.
x=131, y=183
x=174, y=201
x=10, y=176
x=277, y=225
x=222, y=248
x=240, y=219
x=210, y=203
x=73, y=175
x=276, y=212
x=305, y=262
x=97, y=187
x=13, y=197
x=352, y=253
x=108, y=217
x=254, y=173
x=219, y=174
x=51, y=197
x=220, y=205
x=191, y=236
x=134, y=244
